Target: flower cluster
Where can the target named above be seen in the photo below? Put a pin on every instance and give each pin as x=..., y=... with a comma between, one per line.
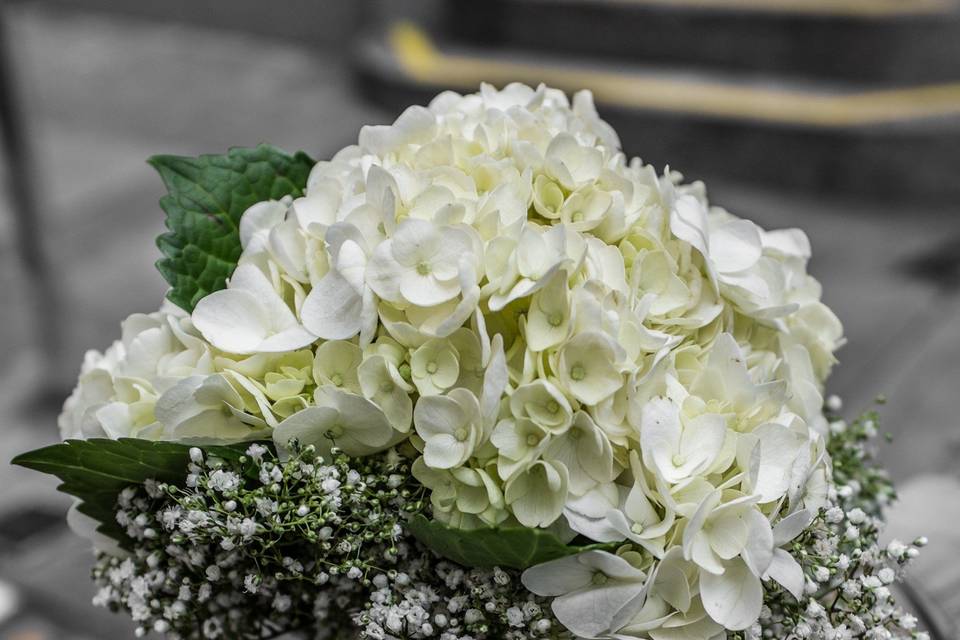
x=322, y=548
x=567, y=338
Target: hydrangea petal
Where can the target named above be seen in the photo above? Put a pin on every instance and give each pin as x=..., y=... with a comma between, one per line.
x=733, y=598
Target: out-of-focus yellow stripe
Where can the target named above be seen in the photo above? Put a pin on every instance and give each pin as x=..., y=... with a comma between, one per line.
x=423, y=62
x=865, y=8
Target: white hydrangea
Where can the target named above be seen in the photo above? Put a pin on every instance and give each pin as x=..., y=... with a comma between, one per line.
x=570, y=340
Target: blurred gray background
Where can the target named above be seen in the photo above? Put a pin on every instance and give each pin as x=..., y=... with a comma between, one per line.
x=838, y=116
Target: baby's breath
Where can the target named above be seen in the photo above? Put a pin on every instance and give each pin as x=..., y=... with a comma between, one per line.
x=242, y=549
x=259, y=548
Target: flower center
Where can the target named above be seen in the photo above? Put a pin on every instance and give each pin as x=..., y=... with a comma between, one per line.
x=578, y=216
x=431, y=368
x=553, y=406
x=555, y=319
x=334, y=432
x=578, y=373
x=336, y=379
x=599, y=578
x=637, y=528
x=532, y=440
x=679, y=460
x=460, y=434
x=423, y=268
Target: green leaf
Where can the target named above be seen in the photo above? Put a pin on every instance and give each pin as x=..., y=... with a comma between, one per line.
x=514, y=547
x=97, y=470
x=207, y=196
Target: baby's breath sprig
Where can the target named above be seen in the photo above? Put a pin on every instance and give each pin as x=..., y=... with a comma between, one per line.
x=241, y=550
x=260, y=547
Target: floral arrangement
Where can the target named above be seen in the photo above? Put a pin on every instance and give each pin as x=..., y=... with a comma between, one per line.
x=479, y=376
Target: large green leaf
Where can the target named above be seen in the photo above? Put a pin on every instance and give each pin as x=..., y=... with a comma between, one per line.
x=514, y=547
x=207, y=196
x=97, y=470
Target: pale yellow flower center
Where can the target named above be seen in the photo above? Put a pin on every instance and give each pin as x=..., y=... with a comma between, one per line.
x=334, y=432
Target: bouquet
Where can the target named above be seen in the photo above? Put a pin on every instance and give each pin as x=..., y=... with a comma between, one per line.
x=477, y=377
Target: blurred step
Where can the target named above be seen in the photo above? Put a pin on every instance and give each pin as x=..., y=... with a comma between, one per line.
x=934, y=578
x=829, y=137
x=876, y=40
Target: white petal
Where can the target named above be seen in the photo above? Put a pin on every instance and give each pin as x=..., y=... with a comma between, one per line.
x=660, y=435
x=251, y=279
x=758, y=552
x=725, y=377
x=436, y=415
x=415, y=124
x=368, y=318
x=612, y=565
x=415, y=241
x=178, y=403
x=776, y=454
x=425, y=290
x=671, y=581
x=791, y=526
x=332, y=310
x=733, y=598
x=735, y=245
x=694, y=529
x=352, y=263
x=443, y=451
x=256, y=222
x=495, y=380
x=364, y=420
x=787, y=572
x=727, y=534
x=289, y=339
x=688, y=221
x=289, y=248
x=791, y=243
x=231, y=320
x=318, y=210
x=383, y=273
x=591, y=612
x=702, y=441
x=382, y=192
x=557, y=577
x=308, y=427
x=587, y=514
x=470, y=293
